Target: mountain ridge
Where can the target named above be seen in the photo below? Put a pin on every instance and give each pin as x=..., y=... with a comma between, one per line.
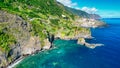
x=83, y=13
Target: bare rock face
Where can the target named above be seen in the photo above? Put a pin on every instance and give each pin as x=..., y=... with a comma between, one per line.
x=47, y=44
x=32, y=46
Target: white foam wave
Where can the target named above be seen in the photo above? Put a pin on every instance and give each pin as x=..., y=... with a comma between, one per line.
x=15, y=63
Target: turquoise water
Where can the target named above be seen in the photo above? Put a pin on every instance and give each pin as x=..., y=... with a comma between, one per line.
x=67, y=54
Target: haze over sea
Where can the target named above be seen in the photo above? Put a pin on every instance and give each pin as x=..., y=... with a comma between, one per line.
x=68, y=54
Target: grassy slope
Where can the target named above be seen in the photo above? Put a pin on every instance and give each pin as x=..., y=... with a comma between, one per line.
x=82, y=13
x=78, y=12
x=44, y=16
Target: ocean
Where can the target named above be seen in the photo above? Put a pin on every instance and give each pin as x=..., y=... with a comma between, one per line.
x=68, y=54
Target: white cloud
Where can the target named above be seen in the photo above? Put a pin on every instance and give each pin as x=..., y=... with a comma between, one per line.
x=89, y=10
x=68, y=3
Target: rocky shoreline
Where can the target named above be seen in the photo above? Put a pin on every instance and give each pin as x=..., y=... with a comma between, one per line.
x=14, y=63
x=17, y=61
x=80, y=41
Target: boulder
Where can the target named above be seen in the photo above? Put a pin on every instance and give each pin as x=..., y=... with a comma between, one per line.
x=81, y=41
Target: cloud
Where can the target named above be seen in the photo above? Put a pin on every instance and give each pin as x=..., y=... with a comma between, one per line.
x=68, y=3
x=89, y=10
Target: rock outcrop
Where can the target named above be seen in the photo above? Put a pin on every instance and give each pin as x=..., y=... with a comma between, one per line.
x=81, y=41
x=19, y=29
x=92, y=46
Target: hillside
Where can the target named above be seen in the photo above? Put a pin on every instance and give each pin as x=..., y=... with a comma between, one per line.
x=82, y=13
x=77, y=12
x=95, y=16
x=27, y=26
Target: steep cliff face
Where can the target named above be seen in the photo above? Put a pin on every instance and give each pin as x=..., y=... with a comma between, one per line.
x=27, y=26
x=20, y=41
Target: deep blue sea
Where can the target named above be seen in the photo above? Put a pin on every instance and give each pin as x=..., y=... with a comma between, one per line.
x=68, y=54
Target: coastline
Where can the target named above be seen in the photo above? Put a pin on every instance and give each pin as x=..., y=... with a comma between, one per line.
x=15, y=62
x=97, y=53
x=33, y=44
x=83, y=42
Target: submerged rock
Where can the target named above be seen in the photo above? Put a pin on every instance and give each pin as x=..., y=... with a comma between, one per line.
x=92, y=46
x=82, y=41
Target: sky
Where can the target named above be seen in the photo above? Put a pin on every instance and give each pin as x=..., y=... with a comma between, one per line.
x=105, y=8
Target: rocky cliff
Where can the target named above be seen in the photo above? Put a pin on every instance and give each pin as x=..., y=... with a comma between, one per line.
x=21, y=42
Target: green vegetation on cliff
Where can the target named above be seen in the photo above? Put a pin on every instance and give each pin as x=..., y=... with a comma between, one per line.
x=43, y=18
x=44, y=15
x=78, y=12
x=5, y=39
x=82, y=13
